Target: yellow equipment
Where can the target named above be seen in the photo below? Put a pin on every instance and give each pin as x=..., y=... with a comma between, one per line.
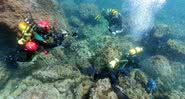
x=26, y=32
x=97, y=18
x=114, y=63
x=23, y=26
x=114, y=12
x=135, y=51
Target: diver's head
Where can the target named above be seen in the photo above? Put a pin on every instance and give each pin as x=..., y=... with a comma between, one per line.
x=22, y=26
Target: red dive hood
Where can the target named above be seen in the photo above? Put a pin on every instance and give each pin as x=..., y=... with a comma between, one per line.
x=31, y=46
x=44, y=24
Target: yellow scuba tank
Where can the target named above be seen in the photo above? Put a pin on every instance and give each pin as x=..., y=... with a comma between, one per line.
x=114, y=11
x=26, y=32
x=22, y=26
x=114, y=63
x=135, y=51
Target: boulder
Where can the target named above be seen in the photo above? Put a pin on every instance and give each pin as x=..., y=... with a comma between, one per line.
x=103, y=90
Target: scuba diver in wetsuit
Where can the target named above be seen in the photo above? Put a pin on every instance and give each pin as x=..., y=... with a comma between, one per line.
x=34, y=37
x=120, y=67
x=114, y=18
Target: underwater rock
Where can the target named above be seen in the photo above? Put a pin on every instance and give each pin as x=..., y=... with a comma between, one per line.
x=69, y=7
x=66, y=88
x=39, y=61
x=176, y=48
x=58, y=53
x=82, y=49
x=70, y=88
x=12, y=12
x=161, y=30
x=4, y=74
x=56, y=72
x=157, y=66
x=40, y=92
x=88, y=11
x=43, y=60
x=47, y=5
x=156, y=40
x=75, y=21
x=176, y=94
x=20, y=85
x=104, y=56
x=83, y=89
x=102, y=90
x=26, y=68
x=139, y=76
x=132, y=88
x=81, y=54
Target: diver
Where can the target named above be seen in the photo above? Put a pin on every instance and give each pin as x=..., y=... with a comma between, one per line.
x=114, y=18
x=33, y=37
x=37, y=36
x=120, y=67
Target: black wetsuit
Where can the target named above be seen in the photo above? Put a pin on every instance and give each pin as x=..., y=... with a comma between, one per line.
x=115, y=22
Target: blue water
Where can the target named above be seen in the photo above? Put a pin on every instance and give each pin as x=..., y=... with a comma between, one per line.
x=140, y=19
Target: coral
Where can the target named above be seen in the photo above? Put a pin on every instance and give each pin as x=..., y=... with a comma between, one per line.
x=139, y=76
x=40, y=92
x=66, y=88
x=104, y=56
x=4, y=74
x=133, y=88
x=88, y=11
x=159, y=65
x=83, y=89
x=176, y=94
x=161, y=31
x=176, y=48
x=58, y=53
x=155, y=42
x=81, y=54
x=102, y=90
x=56, y=72
x=75, y=21
x=81, y=48
x=69, y=7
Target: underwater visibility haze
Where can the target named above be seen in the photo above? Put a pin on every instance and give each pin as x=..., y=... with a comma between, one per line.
x=92, y=49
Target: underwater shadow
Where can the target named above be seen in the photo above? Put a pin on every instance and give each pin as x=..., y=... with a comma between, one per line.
x=8, y=44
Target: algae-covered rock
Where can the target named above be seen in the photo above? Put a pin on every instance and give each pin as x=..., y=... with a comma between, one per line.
x=104, y=56
x=58, y=53
x=156, y=40
x=56, y=72
x=81, y=49
x=176, y=48
x=88, y=11
x=39, y=61
x=102, y=90
x=71, y=88
x=81, y=54
x=66, y=88
x=176, y=94
x=159, y=65
x=69, y=7
x=83, y=88
x=139, y=76
x=4, y=74
x=133, y=88
x=161, y=30
x=40, y=92
x=75, y=21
